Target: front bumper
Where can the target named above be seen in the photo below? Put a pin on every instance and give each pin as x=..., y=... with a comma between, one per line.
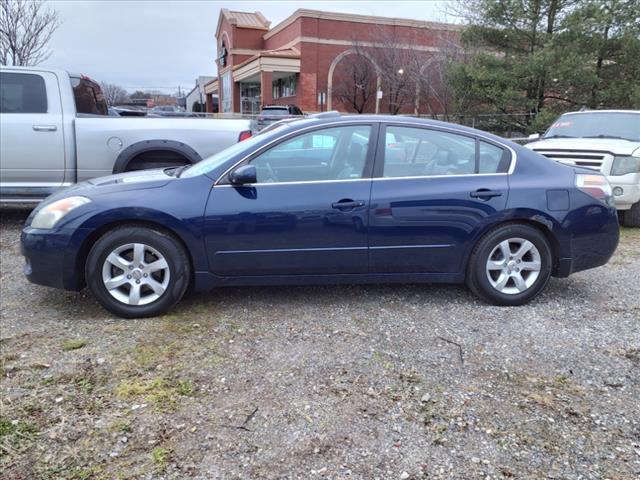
x=51, y=258
x=630, y=190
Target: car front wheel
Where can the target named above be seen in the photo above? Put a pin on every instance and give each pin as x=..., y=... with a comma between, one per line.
x=510, y=265
x=137, y=272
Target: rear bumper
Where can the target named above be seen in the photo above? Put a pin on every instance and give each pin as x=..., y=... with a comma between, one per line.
x=51, y=258
x=594, y=238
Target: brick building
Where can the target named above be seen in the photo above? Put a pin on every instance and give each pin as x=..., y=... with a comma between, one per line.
x=297, y=61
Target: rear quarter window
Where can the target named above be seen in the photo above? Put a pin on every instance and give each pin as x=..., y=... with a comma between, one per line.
x=88, y=96
x=22, y=93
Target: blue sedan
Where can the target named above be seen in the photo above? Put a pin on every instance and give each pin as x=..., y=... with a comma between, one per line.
x=328, y=199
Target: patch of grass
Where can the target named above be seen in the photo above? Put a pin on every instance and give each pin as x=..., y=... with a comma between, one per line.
x=160, y=457
x=74, y=344
x=16, y=431
x=162, y=393
x=85, y=384
x=119, y=426
x=186, y=388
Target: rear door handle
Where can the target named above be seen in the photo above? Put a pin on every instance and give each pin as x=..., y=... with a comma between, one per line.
x=485, y=194
x=45, y=128
x=347, y=205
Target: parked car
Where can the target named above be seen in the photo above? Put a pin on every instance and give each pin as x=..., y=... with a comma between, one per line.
x=328, y=199
x=55, y=130
x=274, y=113
x=169, y=111
x=604, y=140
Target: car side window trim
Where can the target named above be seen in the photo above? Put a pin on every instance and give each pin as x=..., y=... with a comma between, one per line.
x=367, y=173
x=378, y=169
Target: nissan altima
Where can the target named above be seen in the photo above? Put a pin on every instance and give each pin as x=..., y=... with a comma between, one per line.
x=328, y=199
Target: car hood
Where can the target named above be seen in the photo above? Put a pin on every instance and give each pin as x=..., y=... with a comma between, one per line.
x=130, y=178
x=138, y=180
x=614, y=146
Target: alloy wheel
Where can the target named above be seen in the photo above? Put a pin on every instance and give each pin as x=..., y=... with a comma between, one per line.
x=135, y=274
x=513, y=266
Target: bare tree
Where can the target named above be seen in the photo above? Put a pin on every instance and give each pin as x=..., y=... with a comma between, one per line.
x=113, y=94
x=397, y=63
x=355, y=83
x=26, y=26
x=435, y=92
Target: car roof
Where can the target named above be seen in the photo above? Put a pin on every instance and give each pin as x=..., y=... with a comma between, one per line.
x=586, y=112
x=336, y=117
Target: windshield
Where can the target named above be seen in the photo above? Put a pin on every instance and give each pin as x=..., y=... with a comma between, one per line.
x=214, y=161
x=274, y=111
x=597, y=125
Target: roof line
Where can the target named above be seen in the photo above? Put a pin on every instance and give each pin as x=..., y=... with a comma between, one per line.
x=352, y=17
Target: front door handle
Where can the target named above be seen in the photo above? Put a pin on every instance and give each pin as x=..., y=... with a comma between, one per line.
x=485, y=194
x=347, y=204
x=45, y=128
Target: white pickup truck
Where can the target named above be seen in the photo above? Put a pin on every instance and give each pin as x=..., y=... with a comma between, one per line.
x=605, y=140
x=55, y=130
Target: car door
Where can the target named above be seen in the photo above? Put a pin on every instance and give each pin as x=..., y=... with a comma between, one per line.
x=432, y=189
x=307, y=213
x=31, y=135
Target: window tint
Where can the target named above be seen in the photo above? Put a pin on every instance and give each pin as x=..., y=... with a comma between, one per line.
x=329, y=154
x=88, y=96
x=490, y=159
x=22, y=93
x=414, y=152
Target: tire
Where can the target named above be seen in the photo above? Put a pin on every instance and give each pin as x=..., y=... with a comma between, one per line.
x=632, y=216
x=505, y=281
x=160, y=287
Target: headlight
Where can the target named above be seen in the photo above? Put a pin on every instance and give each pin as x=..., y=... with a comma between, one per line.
x=52, y=213
x=624, y=165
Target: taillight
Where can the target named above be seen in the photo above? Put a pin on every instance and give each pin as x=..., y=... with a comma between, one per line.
x=595, y=185
x=244, y=135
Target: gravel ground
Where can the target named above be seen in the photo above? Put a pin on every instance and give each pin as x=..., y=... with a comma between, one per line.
x=386, y=381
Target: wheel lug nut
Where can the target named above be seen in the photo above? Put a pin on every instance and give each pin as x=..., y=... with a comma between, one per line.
x=140, y=266
x=145, y=275
x=137, y=281
x=130, y=267
x=129, y=276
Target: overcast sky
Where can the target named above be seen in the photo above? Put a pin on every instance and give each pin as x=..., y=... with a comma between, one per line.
x=162, y=44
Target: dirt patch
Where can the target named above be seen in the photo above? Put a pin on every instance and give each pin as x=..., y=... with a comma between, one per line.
x=381, y=381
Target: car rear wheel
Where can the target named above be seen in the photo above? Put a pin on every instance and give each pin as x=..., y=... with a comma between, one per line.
x=137, y=272
x=510, y=265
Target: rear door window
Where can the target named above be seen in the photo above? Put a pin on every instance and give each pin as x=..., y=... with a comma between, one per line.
x=22, y=93
x=417, y=152
x=88, y=96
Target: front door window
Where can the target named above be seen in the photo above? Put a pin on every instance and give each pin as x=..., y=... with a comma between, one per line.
x=328, y=154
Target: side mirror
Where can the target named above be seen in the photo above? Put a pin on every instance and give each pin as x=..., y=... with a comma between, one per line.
x=244, y=174
x=534, y=136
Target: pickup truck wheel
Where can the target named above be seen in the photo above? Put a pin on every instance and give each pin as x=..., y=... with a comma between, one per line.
x=631, y=217
x=510, y=265
x=156, y=159
x=137, y=272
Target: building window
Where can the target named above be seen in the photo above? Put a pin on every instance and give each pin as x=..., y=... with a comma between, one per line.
x=227, y=91
x=284, y=87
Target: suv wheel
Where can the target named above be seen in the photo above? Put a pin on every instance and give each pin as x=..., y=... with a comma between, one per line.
x=510, y=265
x=137, y=272
x=632, y=216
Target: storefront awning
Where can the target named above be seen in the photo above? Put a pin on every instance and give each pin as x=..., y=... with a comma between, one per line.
x=287, y=60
